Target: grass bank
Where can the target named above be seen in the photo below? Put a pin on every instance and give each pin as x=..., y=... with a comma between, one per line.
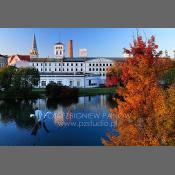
x=84, y=91
x=96, y=91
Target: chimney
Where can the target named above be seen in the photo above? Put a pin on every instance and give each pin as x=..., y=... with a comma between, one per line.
x=70, y=49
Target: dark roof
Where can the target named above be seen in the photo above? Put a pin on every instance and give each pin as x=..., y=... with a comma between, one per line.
x=5, y=56
x=68, y=73
x=82, y=59
x=74, y=59
x=59, y=43
x=44, y=60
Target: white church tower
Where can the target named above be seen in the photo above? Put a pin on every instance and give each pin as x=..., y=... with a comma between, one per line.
x=34, y=50
x=59, y=50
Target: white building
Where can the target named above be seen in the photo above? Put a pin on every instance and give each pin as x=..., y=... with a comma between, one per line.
x=73, y=72
x=83, y=52
x=3, y=61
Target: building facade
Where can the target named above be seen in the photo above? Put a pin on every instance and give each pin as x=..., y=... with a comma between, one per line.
x=81, y=72
x=70, y=71
x=3, y=61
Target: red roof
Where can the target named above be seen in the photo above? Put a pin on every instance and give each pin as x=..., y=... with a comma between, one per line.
x=10, y=59
x=21, y=57
x=24, y=57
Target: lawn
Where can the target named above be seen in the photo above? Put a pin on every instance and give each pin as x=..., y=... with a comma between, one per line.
x=96, y=91
x=85, y=91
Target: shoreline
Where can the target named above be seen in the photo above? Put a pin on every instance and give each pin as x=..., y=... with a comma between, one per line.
x=40, y=92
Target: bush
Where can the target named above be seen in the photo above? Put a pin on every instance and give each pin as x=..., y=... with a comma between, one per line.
x=56, y=91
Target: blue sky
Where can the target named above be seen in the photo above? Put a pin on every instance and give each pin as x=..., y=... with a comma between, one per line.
x=98, y=41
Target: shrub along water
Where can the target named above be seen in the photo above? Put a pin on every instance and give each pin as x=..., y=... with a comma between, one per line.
x=55, y=91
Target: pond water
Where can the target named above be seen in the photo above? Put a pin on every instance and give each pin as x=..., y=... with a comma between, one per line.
x=78, y=122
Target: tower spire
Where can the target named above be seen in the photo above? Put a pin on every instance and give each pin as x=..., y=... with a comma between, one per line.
x=34, y=45
x=34, y=50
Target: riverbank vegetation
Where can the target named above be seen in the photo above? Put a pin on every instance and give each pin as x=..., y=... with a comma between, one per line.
x=55, y=91
x=84, y=91
x=18, y=82
x=146, y=115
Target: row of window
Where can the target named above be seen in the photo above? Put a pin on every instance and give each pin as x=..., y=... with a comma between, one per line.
x=59, y=47
x=100, y=64
x=2, y=64
x=71, y=69
x=70, y=64
x=59, y=70
x=59, y=64
x=71, y=83
x=97, y=69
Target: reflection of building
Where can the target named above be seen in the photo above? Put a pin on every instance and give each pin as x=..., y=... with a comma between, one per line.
x=70, y=71
x=3, y=61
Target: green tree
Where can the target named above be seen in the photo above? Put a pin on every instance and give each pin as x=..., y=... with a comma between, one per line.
x=18, y=82
x=6, y=76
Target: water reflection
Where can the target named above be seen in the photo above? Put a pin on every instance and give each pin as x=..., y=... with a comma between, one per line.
x=17, y=111
x=57, y=123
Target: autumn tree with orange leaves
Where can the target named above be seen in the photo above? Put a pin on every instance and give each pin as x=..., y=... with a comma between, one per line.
x=146, y=117
x=113, y=76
